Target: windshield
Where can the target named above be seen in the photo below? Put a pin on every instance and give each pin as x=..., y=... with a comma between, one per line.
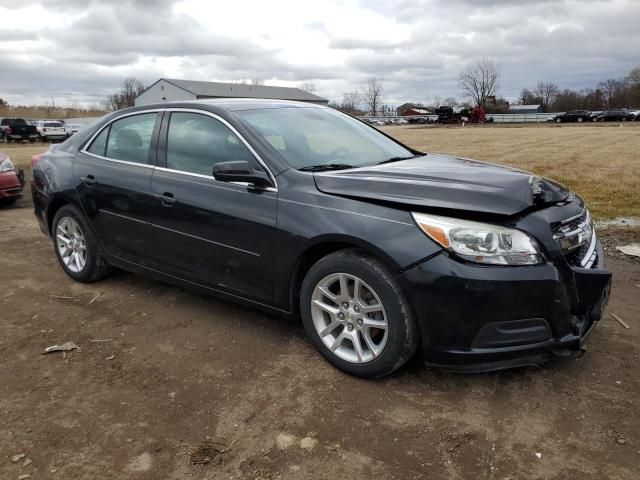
x=309, y=137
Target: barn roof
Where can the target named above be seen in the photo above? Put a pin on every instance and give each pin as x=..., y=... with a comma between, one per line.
x=239, y=90
x=524, y=107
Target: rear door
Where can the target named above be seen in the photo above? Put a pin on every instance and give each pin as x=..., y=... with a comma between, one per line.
x=113, y=176
x=210, y=232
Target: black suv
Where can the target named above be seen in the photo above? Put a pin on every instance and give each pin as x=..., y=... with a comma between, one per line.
x=301, y=210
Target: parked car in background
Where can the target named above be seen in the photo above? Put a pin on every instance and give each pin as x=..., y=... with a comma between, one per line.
x=573, y=116
x=614, y=116
x=71, y=128
x=50, y=130
x=11, y=181
x=419, y=120
x=17, y=130
x=302, y=210
x=399, y=121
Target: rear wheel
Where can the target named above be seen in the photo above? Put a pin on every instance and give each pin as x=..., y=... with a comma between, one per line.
x=357, y=315
x=558, y=120
x=76, y=246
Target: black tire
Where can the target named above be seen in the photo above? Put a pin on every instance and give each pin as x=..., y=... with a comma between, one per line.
x=96, y=266
x=402, y=340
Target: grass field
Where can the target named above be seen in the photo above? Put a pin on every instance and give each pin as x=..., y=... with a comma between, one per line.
x=602, y=164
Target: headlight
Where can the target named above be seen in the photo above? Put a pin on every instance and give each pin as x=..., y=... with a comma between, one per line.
x=6, y=165
x=481, y=242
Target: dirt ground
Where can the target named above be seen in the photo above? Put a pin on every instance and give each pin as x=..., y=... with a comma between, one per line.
x=173, y=384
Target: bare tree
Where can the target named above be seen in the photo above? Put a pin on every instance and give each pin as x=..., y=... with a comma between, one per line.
x=527, y=97
x=633, y=81
x=126, y=97
x=307, y=87
x=547, y=93
x=479, y=80
x=452, y=101
x=350, y=101
x=612, y=89
x=257, y=81
x=3, y=102
x=373, y=94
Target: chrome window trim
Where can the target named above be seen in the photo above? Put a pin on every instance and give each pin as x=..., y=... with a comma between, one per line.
x=219, y=184
x=99, y=131
x=188, y=110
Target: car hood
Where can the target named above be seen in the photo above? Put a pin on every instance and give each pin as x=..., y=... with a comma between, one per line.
x=440, y=181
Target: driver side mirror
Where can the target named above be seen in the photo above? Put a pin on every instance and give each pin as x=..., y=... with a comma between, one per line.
x=240, y=171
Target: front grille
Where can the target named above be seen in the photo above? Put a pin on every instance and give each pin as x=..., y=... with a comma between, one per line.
x=577, y=240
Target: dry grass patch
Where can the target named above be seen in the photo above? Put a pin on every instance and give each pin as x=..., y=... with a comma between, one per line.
x=21, y=154
x=602, y=164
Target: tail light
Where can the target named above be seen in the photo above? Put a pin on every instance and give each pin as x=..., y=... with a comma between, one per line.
x=8, y=130
x=35, y=159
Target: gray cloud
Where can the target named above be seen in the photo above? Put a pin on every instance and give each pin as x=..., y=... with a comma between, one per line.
x=573, y=43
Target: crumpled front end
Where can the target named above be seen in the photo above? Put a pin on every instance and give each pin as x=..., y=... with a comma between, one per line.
x=477, y=318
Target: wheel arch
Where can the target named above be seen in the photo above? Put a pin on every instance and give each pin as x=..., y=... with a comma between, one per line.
x=323, y=246
x=56, y=203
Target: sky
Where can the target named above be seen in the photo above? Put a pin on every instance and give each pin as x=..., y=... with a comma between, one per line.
x=76, y=52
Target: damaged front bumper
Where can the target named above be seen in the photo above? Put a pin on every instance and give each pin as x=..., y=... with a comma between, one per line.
x=480, y=318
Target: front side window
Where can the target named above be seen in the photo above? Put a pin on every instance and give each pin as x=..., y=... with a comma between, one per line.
x=129, y=138
x=311, y=136
x=195, y=143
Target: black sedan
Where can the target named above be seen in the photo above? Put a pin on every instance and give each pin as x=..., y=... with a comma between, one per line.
x=614, y=116
x=379, y=249
x=573, y=116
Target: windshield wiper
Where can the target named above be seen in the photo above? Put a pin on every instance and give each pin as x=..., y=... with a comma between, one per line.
x=326, y=166
x=397, y=159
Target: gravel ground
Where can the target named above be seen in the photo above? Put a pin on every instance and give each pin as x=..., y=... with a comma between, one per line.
x=173, y=384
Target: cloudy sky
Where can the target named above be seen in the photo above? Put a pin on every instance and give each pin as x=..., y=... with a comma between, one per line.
x=78, y=51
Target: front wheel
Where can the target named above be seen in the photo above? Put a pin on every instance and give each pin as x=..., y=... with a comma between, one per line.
x=76, y=246
x=357, y=315
x=579, y=119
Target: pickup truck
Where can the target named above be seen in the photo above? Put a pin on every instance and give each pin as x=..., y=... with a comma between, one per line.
x=17, y=129
x=51, y=130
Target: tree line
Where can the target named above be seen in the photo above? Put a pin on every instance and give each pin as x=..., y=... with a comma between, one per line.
x=479, y=83
x=611, y=94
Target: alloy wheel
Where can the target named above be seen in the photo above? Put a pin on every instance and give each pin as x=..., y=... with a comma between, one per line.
x=71, y=244
x=349, y=317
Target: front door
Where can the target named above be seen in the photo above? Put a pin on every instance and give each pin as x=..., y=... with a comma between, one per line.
x=113, y=178
x=210, y=232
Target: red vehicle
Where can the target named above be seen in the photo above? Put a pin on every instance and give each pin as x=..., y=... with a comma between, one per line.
x=11, y=181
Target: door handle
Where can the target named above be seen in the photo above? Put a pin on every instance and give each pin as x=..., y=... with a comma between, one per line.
x=88, y=180
x=167, y=199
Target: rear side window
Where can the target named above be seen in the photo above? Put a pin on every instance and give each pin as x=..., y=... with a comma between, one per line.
x=99, y=144
x=195, y=143
x=129, y=139
x=53, y=124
